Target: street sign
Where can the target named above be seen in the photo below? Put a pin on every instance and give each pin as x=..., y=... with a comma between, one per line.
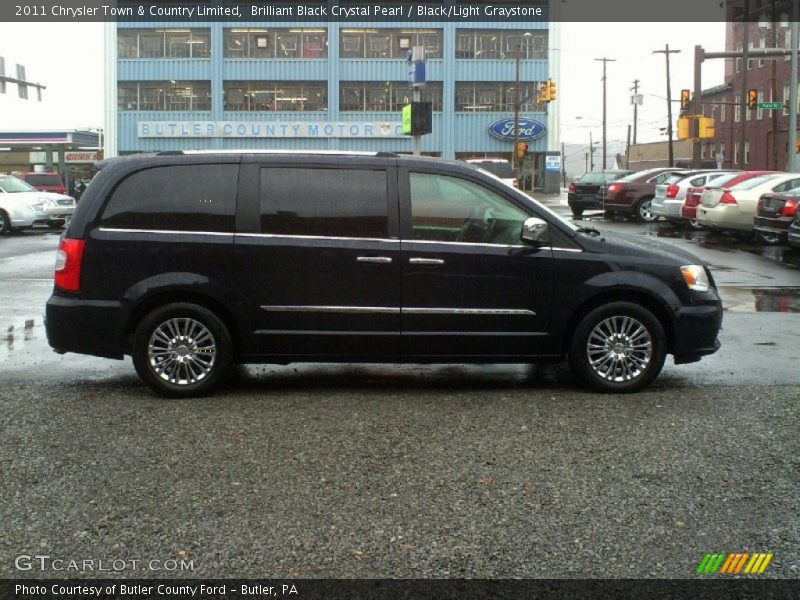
x=771, y=105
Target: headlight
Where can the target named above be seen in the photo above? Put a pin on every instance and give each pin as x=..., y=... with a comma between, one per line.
x=695, y=277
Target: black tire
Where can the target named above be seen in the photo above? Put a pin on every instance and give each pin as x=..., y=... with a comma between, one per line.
x=56, y=224
x=643, y=212
x=5, y=223
x=189, y=369
x=576, y=212
x=643, y=349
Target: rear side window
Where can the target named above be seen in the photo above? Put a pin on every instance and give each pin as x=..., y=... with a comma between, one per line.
x=175, y=198
x=324, y=202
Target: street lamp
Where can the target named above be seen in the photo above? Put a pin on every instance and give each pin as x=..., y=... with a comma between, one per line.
x=517, y=165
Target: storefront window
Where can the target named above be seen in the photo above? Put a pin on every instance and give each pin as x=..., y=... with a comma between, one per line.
x=276, y=43
x=164, y=95
x=389, y=96
x=262, y=96
x=388, y=43
x=501, y=44
x=484, y=96
x=163, y=43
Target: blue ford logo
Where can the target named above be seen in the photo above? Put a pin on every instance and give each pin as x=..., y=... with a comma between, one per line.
x=529, y=129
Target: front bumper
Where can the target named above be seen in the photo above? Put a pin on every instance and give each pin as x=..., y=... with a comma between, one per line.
x=92, y=327
x=696, y=331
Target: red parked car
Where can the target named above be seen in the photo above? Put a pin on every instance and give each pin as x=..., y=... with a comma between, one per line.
x=44, y=182
x=693, y=194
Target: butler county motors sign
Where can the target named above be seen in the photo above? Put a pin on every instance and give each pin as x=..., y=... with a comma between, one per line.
x=268, y=129
x=529, y=129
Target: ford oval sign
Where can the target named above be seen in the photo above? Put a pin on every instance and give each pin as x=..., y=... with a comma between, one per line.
x=529, y=129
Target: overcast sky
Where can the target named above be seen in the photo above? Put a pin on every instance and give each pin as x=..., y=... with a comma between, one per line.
x=68, y=58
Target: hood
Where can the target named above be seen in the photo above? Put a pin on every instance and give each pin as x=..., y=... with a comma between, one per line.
x=640, y=245
x=54, y=196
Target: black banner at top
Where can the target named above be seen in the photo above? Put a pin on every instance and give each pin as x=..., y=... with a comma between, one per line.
x=399, y=11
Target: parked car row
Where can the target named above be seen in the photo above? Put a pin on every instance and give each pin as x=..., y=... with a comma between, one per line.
x=22, y=206
x=746, y=203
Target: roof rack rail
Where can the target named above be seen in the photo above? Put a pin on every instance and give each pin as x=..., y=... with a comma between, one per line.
x=380, y=154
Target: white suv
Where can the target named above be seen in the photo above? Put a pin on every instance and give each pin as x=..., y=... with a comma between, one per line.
x=499, y=167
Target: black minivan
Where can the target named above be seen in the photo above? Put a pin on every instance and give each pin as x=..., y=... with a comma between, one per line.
x=193, y=261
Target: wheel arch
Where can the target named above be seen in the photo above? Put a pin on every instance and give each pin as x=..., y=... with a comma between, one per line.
x=151, y=302
x=648, y=300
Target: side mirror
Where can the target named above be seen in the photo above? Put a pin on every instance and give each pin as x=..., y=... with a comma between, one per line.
x=534, y=231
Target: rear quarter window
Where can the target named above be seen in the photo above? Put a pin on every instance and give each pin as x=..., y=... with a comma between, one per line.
x=175, y=198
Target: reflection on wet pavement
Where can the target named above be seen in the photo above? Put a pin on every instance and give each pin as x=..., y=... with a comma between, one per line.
x=779, y=299
x=16, y=335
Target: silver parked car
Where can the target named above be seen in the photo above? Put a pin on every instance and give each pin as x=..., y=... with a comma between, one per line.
x=670, y=195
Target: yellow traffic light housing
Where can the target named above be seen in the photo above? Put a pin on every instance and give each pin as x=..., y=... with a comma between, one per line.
x=544, y=93
x=685, y=96
x=684, y=128
x=522, y=149
x=705, y=128
x=551, y=90
x=752, y=98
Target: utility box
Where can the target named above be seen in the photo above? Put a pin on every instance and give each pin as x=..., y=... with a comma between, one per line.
x=418, y=118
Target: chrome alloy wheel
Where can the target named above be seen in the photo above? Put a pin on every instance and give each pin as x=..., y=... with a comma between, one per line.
x=182, y=351
x=619, y=349
x=646, y=211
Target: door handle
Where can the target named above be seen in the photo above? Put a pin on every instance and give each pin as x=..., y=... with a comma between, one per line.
x=426, y=261
x=374, y=259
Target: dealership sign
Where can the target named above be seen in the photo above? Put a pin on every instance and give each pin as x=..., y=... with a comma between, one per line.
x=529, y=129
x=268, y=129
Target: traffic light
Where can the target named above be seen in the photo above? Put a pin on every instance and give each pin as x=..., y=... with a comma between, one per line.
x=522, y=149
x=684, y=127
x=705, y=128
x=684, y=99
x=752, y=98
x=551, y=90
x=544, y=93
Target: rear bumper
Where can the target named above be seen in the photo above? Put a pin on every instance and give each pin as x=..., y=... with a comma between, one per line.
x=696, y=331
x=779, y=226
x=583, y=201
x=669, y=209
x=724, y=216
x=92, y=327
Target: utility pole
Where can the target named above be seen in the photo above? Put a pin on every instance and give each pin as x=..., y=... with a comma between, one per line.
x=774, y=91
x=591, y=153
x=666, y=52
x=604, y=60
x=745, y=114
x=635, y=90
x=628, y=150
x=792, y=166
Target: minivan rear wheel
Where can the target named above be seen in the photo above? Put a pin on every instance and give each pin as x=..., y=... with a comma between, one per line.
x=182, y=350
x=618, y=347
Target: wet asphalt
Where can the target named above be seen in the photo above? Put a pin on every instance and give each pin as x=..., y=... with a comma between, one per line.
x=408, y=471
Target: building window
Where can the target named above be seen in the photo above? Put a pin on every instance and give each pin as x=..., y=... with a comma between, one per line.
x=163, y=43
x=388, y=43
x=722, y=150
x=746, y=152
x=759, y=110
x=722, y=111
x=164, y=95
x=486, y=96
x=737, y=112
x=500, y=44
x=739, y=58
x=389, y=96
x=284, y=96
x=276, y=43
x=736, y=153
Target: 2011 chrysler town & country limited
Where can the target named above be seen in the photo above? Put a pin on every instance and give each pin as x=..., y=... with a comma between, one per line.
x=193, y=261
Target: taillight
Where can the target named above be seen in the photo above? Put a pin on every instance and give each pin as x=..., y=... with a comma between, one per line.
x=68, y=265
x=571, y=187
x=789, y=209
x=672, y=191
x=727, y=199
x=614, y=188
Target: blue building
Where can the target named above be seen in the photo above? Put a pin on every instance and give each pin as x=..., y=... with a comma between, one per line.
x=326, y=85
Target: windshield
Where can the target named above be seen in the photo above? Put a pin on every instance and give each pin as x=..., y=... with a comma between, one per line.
x=638, y=175
x=722, y=180
x=12, y=185
x=44, y=179
x=501, y=169
x=754, y=182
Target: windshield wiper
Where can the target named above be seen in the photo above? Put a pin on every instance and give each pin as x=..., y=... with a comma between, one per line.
x=589, y=230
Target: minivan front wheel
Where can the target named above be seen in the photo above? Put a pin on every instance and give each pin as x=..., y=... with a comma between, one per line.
x=618, y=347
x=182, y=350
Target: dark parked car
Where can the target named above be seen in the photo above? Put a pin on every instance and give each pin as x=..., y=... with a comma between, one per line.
x=191, y=262
x=584, y=192
x=775, y=213
x=632, y=195
x=794, y=231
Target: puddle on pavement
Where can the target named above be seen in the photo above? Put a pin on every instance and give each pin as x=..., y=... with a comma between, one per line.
x=778, y=299
x=15, y=336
